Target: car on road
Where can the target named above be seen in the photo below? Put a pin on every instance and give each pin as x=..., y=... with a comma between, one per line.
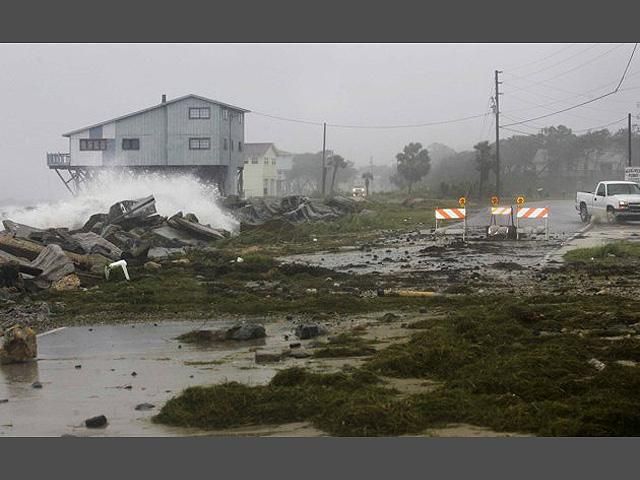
x=358, y=191
x=611, y=200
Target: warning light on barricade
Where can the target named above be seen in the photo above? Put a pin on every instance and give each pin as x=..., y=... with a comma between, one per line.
x=462, y=201
x=520, y=200
x=495, y=201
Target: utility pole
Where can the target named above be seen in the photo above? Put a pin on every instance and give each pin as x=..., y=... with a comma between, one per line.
x=497, y=112
x=324, y=157
x=629, y=132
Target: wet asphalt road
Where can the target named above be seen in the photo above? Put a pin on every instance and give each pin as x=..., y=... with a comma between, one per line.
x=563, y=218
x=108, y=356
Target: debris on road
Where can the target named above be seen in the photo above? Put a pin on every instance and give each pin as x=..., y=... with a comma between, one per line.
x=239, y=332
x=19, y=345
x=96, y=422
x=311, y=330
x=145, y=406
x=292, y=209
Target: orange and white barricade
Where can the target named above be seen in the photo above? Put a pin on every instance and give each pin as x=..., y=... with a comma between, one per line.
x=452, y=214
x=533, y=213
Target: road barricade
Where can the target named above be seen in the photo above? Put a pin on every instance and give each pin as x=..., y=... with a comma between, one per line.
x=452, y=214
x=533, y=213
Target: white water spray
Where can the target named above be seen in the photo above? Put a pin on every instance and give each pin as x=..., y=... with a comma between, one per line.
x=173, y=193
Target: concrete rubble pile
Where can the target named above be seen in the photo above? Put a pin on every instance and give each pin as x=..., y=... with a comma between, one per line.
x=64, y=259
x=292, y=209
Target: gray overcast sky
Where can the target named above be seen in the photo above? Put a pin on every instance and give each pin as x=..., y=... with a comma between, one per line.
x=48, y=89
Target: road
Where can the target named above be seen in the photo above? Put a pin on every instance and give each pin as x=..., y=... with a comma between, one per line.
x=564, y=220
x=105, y=384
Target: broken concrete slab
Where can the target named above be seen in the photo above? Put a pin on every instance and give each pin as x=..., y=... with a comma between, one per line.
x=169, y=237
x=205, y=232
x=54, y=265
x=131, y=209
x=94, y=243
x=19, y=230
x=160, y=253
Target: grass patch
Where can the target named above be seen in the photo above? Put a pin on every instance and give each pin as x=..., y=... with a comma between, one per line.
x=345, y=345
x=611, y=253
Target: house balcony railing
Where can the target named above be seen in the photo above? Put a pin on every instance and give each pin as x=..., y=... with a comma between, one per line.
x=57, y=160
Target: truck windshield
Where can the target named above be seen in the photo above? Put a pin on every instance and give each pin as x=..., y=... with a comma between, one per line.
x=623, y=188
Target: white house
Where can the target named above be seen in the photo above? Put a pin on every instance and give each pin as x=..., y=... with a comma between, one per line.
x=260, y=173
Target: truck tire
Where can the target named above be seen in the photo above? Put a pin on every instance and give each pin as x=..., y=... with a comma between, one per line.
x=584, y=215
x=611, y=216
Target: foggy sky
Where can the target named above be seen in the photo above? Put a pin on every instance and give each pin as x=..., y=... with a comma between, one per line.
x=46, y=90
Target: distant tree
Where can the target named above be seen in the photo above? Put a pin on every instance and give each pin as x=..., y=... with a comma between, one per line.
x=337, y=162
x=484, y=163
x=413, y=164
x=368, y=178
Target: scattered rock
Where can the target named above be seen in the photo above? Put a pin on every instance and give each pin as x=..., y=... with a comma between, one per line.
x=96, y=422
x=78, y=367
x=151, y=266
x=4, y=400
x=299, y=353
x=310, y=330
x=18, y=345
x=134, y=374
x=389, y=317
x=247, y=331
x=66, y=284
x=36, y=384
x=295, y=345
x=597, y=364
x=423, y=310
x=145, y=406
x=264, y=356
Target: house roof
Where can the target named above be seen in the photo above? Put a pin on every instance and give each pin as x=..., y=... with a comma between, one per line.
x=232, y=107
x=257, y=149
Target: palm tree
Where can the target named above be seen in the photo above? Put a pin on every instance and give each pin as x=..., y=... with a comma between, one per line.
x=336, y=162
x=367, y=177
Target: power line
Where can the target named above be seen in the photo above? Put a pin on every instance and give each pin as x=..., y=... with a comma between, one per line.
x=586, y=102
x=543, y=59
x=600, y=127
x=518, y=131
x=414, y=125
x=571, y=69
x=335, y=125
x=285, y=119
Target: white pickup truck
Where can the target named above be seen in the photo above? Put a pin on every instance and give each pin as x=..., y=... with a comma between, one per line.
x=611, y=200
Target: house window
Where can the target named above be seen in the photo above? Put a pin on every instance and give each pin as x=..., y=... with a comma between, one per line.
x=130, y=144
x=273, y=161
x=254, y=160
x=87, y=144
x=199, y=113
x=232, y=145
x=246, y=161
x=225, y=114
x=240, y=118
x=226, y=144
x=265, y=187
x=239, y=146
x=266, y=161
x=199, y=143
